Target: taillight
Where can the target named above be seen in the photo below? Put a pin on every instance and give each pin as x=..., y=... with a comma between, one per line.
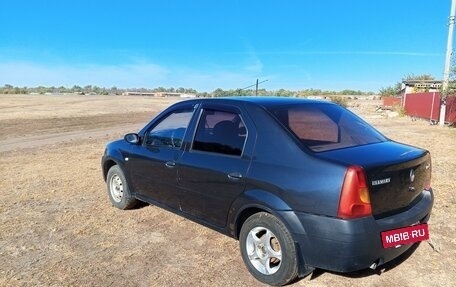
x=427, y=185
x=354, y=198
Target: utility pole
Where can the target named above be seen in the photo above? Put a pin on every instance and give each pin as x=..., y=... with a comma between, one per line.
x=254, y=85
x=446, y=73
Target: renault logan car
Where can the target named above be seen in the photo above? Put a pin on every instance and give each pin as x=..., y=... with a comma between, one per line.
x=302, y=184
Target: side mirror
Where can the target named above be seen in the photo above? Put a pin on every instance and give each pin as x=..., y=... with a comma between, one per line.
x=132, y=138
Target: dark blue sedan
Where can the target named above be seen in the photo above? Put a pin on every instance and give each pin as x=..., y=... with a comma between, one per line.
x=302, y=184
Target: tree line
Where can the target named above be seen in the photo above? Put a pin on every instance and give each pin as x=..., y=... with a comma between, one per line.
x=90, y=89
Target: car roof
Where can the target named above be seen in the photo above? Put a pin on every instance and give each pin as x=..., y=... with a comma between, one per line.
x=266, y=101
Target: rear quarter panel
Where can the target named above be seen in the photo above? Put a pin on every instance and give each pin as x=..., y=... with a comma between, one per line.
x=279, y=166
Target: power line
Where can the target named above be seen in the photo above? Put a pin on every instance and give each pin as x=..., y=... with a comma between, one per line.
x=256, y=84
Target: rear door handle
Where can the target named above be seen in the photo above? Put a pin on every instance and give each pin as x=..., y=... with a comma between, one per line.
x=170, y=164
x=234, y=176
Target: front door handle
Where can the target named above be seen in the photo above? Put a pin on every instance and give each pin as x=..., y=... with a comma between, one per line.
x=234, y=176
x=170, y=164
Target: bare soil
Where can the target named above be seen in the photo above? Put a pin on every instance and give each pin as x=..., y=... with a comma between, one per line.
x=57, y=227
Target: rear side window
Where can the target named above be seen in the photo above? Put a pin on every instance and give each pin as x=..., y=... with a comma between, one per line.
x=313, y=125
x=323, y=127
x=220, y=132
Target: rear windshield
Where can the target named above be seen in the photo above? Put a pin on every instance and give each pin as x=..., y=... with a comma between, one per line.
x=324, y=127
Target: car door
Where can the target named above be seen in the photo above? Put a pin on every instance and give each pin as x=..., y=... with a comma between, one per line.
x=212, y=172
x=152, y=164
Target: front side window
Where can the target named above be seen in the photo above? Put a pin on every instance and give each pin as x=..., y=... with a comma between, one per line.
x=220, y=132
x=170, y=131
x=323, y=127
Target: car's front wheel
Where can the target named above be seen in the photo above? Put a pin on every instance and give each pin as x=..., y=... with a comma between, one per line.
x=118, y=190
x=268, y=249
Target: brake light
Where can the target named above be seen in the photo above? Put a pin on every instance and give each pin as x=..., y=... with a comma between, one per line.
x=354, y=198
x=427, y=185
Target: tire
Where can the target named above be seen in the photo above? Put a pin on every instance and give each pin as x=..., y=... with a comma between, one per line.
x=118, y=190
x=268, y=249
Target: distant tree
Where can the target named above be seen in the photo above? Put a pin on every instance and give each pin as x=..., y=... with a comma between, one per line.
x=113, y=90
x=262, y=92
x=390, y=91
x=309, y=92
x=423, y=77
x=40, y=89
x=203, y=94
x=76, y=89
x=16, y=90
x=218, y=93
x=191, y=91
x=98, y=90
x=284, y=93
x=6, y=89
x=350, y=92
x=281, y=92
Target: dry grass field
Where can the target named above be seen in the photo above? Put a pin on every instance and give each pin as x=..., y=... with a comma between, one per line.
x=57, y=227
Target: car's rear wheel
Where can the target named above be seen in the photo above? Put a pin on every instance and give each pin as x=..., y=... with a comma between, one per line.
x=268, y=249
x=118, y=190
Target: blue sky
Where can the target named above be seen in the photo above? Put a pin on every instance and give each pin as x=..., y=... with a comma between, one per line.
x=325, y=44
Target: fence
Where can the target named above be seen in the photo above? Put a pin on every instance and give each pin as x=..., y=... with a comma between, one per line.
x=390, y=102
x=422, y=105
x=425, y=105
x=450, y=115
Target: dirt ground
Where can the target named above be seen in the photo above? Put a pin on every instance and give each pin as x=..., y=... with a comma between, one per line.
x=57, y=227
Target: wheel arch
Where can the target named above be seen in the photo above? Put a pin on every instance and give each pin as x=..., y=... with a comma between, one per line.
x=113, y=156
x=242, y=217
x=107, y=164
x=254, y=201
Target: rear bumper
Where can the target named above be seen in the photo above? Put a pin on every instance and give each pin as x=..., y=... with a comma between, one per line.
x=349, y=245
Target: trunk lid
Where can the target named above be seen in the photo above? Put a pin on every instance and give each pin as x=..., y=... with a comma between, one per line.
x=396, y=173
